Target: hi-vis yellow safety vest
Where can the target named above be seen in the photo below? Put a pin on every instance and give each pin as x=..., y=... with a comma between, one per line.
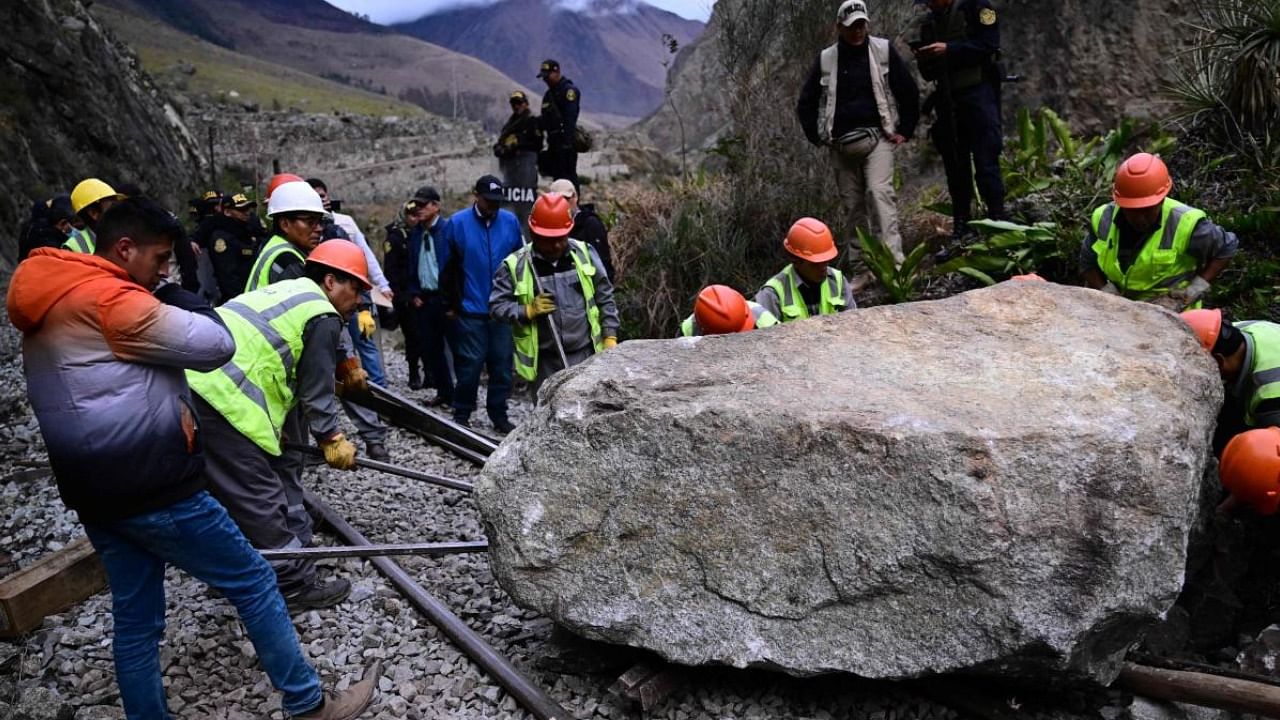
x=260, y=275
x=1264, y=373
x=81, y=241
x=256, y=390
x=787, y=286
x=519, y=264
x=1162, y=264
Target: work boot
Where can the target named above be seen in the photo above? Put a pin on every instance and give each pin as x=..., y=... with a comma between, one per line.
x=376, y=451
x=318, y=595
x=459, y=420
x=350, y=703
x=861, y=281
x=503, y=425
x=415, y=379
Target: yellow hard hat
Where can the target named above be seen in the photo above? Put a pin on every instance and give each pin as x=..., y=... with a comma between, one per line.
x=90, y=191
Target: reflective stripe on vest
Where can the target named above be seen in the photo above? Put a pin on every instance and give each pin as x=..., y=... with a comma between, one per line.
x=1162, y=264
x=81, y=241
x=256, y=390
x=526, y=334
x=763, y=319
x=878, y=64
x=786, y=285
x=260, y=275
x=1264, y=373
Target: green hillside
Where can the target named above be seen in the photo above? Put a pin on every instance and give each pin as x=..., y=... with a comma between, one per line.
x=169, y=56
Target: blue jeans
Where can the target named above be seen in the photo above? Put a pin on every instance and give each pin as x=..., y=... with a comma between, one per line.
x=197, y=536
x=367, y=349
x=483, y=343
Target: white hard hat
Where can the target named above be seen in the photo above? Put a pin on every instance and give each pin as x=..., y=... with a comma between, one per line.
x=295, y=197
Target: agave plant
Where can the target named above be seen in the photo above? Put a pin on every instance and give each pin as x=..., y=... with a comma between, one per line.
x=1234, y=65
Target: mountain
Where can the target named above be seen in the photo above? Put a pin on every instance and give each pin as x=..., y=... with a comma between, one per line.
x=76, y=105
x=614, y=51
x=314, y=37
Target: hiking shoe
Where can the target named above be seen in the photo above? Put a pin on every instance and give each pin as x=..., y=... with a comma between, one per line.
x=350, y=703
x=415, y=380
x=464, y=422
x=503, y=425
x=377, y=451
x=318, y=596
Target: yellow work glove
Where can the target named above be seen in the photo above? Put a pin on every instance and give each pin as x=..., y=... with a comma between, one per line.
x=351, y=377
x=339, y=453
x=367, y=326
x=610, y=342
x=543, y=304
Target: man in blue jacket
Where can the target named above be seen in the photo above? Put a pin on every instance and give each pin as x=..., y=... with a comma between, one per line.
x=428, y=251
x=479, y=239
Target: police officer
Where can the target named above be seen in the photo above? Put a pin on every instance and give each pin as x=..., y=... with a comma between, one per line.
x=559, y=121
x=230, y=245
x=959, y=51
x=517, y=151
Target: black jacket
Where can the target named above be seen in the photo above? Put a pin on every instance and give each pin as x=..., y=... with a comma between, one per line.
x=559, y=117
x=396, y=261
x=590, y=229
x=232, y=250
x=520, y=134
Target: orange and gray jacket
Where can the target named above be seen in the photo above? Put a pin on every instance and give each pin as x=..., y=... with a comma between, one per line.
x=104, y=362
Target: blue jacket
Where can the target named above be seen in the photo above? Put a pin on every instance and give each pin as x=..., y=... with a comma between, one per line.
x=440, y=238
x=478, y=251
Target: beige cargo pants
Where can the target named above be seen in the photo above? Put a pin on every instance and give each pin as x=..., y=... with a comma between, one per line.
x=864, y=178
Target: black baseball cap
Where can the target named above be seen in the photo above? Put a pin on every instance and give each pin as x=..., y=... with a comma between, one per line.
x=548, y=66
x=490, y=188
x=426, y=193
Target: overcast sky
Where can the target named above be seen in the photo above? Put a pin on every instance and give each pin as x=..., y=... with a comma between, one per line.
x=391, y=11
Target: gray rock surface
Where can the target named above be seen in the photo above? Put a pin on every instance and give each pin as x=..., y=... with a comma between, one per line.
x=999, y=482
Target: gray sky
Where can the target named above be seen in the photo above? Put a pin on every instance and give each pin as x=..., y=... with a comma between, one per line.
x=391, y=11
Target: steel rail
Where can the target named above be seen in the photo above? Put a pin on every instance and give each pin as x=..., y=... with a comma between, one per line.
x=530, y=696
x=345, y=551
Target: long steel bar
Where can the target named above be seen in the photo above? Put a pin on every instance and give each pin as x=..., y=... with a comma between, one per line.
x=403, y=472
x=530, y=696
x=448, y=429
x=419, y=422
x=342, y=551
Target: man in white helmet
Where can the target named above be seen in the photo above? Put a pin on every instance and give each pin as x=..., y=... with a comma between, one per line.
x=297, y=214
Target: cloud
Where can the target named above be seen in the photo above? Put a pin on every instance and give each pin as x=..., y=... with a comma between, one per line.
x=388, y=12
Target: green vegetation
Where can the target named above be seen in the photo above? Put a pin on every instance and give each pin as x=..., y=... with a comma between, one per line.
x=170, y=56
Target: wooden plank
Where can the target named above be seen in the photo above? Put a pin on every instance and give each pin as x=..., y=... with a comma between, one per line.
x=1200, y=689
x=50, y=585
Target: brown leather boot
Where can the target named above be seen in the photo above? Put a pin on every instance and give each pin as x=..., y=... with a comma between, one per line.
x=350, y=703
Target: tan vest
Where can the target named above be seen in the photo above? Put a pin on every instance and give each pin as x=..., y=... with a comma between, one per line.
x=879, y=63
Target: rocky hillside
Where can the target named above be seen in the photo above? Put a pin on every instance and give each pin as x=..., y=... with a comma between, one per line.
x=75, y=105
x=316, y=38
x=1093, y=73
x=616, y=55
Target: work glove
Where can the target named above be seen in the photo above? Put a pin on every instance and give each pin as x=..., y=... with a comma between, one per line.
x=1192, y=293
x=339, y=452
x=351, y=377
x=367, y=326
x=1110, y=288
x=610, y=342
x=1170, y=302
x=543, y=304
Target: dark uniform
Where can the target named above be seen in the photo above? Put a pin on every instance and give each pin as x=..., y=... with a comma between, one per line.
x=559, y=122
x=232, y=249
x=967, y=133
x=396, y=266
x=517, y=151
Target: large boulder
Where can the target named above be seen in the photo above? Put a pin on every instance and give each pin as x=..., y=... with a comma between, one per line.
x=999, y=482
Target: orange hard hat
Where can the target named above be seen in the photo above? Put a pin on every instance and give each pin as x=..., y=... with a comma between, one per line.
x=721, y=310
x=342, y=255
x=551, y=216
x=1207, y=325
x=280, y=179
x=1250, y=468
x=1141, y=181
x=810, y=239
